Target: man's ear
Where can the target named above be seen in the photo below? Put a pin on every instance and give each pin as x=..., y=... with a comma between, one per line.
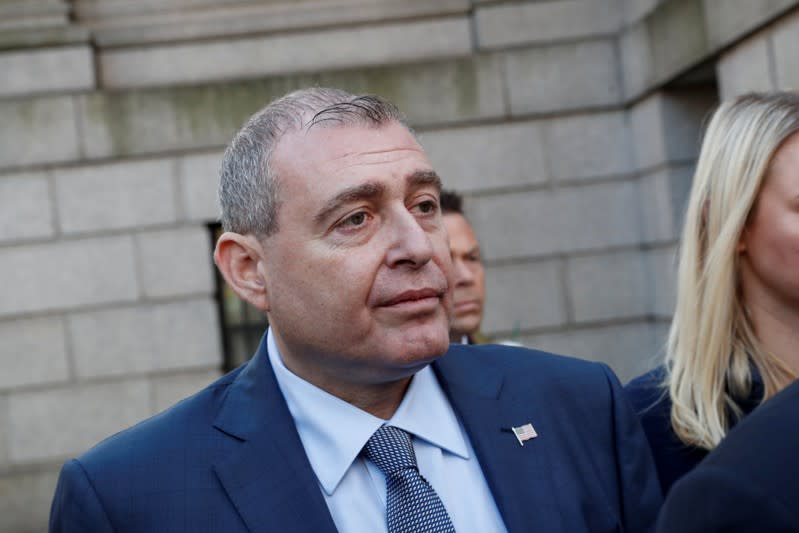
x=240, y=259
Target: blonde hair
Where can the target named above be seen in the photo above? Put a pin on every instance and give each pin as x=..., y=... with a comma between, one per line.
x=712, y=344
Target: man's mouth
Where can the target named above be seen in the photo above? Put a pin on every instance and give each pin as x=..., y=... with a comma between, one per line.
x=466, y=306
x=414, y=296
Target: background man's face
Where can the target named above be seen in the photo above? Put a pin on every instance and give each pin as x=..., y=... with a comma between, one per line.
x=357, y=275
x=468, y=275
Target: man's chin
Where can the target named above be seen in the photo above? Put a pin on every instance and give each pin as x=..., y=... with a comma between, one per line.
x=464, y=327
x=424, y=344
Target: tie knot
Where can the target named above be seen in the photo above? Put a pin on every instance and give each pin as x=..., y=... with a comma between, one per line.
x=391, y=450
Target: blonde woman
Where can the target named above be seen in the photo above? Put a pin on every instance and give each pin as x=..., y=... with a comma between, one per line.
x=734, y=339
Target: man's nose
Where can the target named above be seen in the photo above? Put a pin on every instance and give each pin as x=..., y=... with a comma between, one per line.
x=462, y=271
x=410, y=242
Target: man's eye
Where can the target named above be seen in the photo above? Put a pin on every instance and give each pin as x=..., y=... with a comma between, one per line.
x=356, y=219
x=428, y=206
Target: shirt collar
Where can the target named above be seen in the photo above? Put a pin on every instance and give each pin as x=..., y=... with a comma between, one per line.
x=333, y=432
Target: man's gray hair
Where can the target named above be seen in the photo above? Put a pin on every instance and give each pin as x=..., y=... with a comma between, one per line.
x=248, y=185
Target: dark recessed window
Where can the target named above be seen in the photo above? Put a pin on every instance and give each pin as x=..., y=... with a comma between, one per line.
x=242, y=324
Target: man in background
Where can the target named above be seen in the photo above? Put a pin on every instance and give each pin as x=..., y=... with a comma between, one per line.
x=468, y=295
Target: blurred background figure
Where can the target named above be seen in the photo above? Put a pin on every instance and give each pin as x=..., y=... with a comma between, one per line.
x=749, y=483
x=734, y=337
x=469, y=293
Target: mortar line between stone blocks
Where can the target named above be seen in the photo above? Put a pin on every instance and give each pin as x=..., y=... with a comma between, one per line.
x=53, y=197
x=69, y=348
x=108, y=306
x=78, y=110
x=772, y=62
x=545, y=127
x=138, y=266
x=5, y=415
x=568, y=298
x=177, y=190
x=576, y=327
x=472, y=17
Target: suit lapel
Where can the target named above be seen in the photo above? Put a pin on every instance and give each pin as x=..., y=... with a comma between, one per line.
x=517, y=475
x=267, y=475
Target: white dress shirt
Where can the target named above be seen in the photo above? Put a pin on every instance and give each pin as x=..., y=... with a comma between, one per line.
x=333, y=432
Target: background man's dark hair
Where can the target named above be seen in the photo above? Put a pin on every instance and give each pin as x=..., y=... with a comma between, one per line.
x=451, y=202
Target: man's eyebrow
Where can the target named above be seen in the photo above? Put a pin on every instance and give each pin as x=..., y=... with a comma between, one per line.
x=365, y=191
x=422, y=178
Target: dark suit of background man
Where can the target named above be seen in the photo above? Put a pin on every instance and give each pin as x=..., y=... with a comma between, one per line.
x=333, y=228
x=749, y=483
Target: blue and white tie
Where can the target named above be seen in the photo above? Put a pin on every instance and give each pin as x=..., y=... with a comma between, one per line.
x=412, y=506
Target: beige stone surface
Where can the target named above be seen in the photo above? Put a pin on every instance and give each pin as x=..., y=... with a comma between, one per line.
x=176, y=262
x=663, y=197
x=543, y=223
x=33, y=352
x=170, y=389
x=599, y=216
x=585, y=147
x=198, y=176
x=487, y=157
x=46, y=70
x=728, y=20
x=512, y=24
x=66, y=275
x=678, y=37
x=26, y=211
x=3, y=431
x=128, y=24
x=251, y=57
x=667, y=126
x=25, y=500
x=608, y=286
x=785, y=42
x=523, y=296
x=662, y=270
x=636, y=60
x=634, y=10
x=145, y=338
x=181, y=118
x=15, y=14
x=563, y=77
x=37, y=130
x=629, y=349
x=747, y=67
x=73, y=418
x=115, y=196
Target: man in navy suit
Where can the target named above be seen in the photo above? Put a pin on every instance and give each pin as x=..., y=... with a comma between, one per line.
x=333, y=229
x=750, y=482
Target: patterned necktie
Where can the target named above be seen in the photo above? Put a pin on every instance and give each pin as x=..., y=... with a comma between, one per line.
x=412, y=506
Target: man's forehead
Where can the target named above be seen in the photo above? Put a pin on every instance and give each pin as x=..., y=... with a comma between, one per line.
x=327, y=152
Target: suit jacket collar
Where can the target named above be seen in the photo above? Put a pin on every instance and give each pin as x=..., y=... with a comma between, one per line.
x=272, y=485
x=518, y=476
x=267, y=475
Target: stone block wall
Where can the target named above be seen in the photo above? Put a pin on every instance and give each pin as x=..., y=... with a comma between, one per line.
x=571, y=126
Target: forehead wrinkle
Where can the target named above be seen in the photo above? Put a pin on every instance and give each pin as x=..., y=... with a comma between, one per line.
x=374, y=161
x=363, y=191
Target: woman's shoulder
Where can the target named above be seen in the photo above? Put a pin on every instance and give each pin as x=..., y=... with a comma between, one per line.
x=647, y=393
x=650, y=399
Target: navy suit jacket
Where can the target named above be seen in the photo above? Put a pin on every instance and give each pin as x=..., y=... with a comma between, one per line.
x=750, y=482
x=229, y=458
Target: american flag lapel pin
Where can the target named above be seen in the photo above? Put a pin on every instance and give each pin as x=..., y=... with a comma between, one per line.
x=524, y=433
